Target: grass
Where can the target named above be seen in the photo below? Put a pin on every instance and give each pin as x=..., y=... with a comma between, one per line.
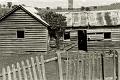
x=51, y=68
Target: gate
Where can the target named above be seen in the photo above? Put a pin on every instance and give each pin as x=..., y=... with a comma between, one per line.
x=91, y=66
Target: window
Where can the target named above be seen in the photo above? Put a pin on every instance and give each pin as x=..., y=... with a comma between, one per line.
x=97, y=36
x=107, y=35
x=66, y=35
x=20, y=34
x=76, y=17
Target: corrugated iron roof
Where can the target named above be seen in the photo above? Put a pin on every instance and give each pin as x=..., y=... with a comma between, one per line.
x=92, y=18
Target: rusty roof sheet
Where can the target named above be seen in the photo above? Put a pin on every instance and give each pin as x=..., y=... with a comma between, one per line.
x=92, y=18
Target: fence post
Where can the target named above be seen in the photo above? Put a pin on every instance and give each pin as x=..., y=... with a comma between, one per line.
x=43, y=67
x=102, y=62
x=114, y=66
x=89, y=66
x=67, y=68
x=93, y=66
x=60, y=65
x=118, y=66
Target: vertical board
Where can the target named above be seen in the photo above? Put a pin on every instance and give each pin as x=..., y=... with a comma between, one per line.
x=43, y=67
x=60, y=65
x=9, y=73
x=19, y=71
x=39, y=68
x=29, y=69
x=4, y=74
x=34, y=69
x=24, y=70
x=14, y=72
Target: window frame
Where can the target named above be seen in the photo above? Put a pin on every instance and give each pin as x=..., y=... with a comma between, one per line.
x=20, y=37
x=107, y=38
x=64, y=36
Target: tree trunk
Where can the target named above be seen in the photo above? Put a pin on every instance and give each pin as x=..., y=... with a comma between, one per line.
x=57, y=43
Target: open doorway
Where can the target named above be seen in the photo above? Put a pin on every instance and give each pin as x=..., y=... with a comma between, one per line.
x=82, y=40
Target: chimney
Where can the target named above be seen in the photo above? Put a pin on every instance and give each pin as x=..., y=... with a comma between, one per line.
x=70, y=4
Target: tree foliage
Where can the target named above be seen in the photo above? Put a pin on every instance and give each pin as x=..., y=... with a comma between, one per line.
x=59, y=8
x=9, y=4
x=87, y=8
x=57, y=25
x=82, y=8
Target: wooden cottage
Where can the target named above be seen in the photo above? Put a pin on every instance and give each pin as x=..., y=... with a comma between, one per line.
x=23, y=31
x=92, y=30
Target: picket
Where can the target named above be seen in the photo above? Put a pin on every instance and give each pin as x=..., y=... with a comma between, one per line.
x=4, y=74
x=67, y=64
x=34, y=69
x=89, y=77
x=60, y=65
x=93, y=67
x=82, y=67
x=39, y=68
x=43, y=67
x=24, y=70
x=9, y=73
x=29, y=69
x=78, y=63
x=14, y=72
x=19, y=71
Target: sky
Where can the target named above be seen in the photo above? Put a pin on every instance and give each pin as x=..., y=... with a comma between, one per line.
x=62, y=3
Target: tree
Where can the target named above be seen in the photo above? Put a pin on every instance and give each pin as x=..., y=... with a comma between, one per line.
x=59, y=8
x=57, y=25
x=14, y=6
x=0, y=5
x=4, y=5
x=23, y=5
x=48, y=8
x=9, y=4
x=82, y=8
x=87, y=9
x=95, y=7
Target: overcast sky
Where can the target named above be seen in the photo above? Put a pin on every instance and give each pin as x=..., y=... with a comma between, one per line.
x=62, y=3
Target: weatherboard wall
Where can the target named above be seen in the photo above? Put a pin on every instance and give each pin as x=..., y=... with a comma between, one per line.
x=97, y=41
x=35, y=39
x=100, y=43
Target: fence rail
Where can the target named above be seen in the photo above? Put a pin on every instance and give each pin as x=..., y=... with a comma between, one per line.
x=77, y=66
x=27, y=72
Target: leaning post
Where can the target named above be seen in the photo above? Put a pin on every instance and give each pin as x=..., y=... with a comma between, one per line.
x=60, y=65
x=102, y=62
x=118, y=55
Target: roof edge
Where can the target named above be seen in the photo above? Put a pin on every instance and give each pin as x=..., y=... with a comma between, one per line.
x=21, y=7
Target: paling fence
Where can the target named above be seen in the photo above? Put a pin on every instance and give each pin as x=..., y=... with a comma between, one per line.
x=91, y=66
x=71, y=66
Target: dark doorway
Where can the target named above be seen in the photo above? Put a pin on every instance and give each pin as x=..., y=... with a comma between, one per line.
x=82, y=40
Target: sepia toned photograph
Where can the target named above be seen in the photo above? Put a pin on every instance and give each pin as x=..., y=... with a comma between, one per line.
x=59, y=39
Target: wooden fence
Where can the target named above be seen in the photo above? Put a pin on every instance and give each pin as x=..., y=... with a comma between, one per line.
x=91, y=66
x=34, y=70
x=77, y=66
